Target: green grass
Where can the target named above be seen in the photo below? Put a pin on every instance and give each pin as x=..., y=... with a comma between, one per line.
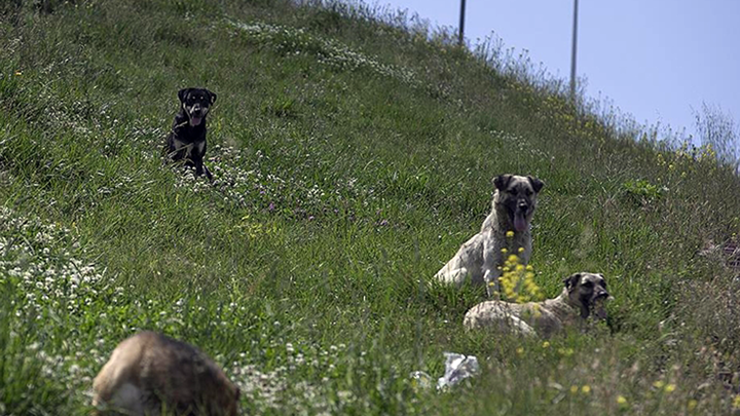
x=352, y=158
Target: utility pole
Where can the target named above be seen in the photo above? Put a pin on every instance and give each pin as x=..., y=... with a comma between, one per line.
x=461, y=37
x=573, y=53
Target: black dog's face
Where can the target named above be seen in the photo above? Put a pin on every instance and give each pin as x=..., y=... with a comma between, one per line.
x=195, y=103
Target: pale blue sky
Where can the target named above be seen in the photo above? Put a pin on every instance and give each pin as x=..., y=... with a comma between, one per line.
x=655, y=59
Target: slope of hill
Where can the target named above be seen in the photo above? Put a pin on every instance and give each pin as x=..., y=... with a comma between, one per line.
x=352, y=158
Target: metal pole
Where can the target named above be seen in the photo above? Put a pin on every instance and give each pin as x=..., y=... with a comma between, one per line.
x=461, y=37
x=573, y=53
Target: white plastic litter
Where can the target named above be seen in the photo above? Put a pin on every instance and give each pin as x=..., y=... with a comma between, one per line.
x=457, y=368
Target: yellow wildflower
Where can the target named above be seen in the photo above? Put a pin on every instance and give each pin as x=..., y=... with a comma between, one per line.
x=546, y=344
x=510, y=234
x=621, y=400
x=692, y=404
x=586, y=389
x=521, y=249
x=659, y=384
x=670, y=387
x=566, y=351
x=517, y=283
x=504, y=250
x=736, y=402
x=574, y=389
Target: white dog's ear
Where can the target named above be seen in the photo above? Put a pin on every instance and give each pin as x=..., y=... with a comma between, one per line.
x=571, y=281
x=536, y=183
x=502, y=181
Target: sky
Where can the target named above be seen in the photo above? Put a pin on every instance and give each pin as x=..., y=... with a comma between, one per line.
x=657, y=60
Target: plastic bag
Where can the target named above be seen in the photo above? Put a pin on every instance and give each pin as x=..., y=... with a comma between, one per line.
x=457, y=368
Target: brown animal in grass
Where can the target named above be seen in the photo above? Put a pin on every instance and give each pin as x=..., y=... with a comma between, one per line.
x=149, y=373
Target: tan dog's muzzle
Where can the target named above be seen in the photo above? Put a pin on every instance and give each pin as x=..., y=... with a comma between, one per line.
x=598, y=305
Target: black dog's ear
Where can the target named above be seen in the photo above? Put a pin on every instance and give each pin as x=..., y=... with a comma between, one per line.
x=501, y=181
x=571, y=281
x=212, y=95
x=536, y=184
x=183, y=93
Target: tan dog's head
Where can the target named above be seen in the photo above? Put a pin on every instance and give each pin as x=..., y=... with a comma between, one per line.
x=587, y=291
x=517, y=197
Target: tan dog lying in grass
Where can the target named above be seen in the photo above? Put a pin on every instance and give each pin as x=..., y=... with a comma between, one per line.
x=149, y=372
x=481, y=257
x=584, y=295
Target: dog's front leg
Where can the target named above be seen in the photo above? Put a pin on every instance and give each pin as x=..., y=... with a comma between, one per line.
x=491, y=259
x=198, y=161
x=492, y=284
x=201, y=168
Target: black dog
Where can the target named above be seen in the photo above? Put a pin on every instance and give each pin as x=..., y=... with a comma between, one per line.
x=187, y=140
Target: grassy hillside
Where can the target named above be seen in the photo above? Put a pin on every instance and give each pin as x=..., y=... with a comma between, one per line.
x=352, y=158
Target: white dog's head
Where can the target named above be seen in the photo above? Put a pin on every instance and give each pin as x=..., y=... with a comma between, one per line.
x=517, y=197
